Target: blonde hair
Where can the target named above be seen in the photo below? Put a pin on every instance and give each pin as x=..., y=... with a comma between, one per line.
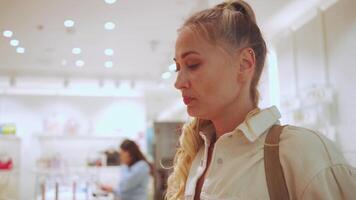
x=190, y=143
x=232, y=25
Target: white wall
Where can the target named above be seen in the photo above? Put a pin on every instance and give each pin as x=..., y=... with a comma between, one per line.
x=340, y=27
x=317, y=66
x=87, y=115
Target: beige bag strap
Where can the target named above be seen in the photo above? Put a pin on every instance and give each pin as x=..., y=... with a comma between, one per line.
x=276, y=183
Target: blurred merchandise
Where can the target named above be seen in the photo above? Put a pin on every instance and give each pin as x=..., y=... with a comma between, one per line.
x=71, y=127
x=5, y=162
x=10, y=148
x=96, y=160
x=112, y=158
x=108, y=157
x=98, y=193
x=8, y=129
x=79, y=183
x=54, y=161
x=53, y=123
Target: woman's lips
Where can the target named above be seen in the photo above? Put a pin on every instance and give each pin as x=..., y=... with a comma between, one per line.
x=187, y=100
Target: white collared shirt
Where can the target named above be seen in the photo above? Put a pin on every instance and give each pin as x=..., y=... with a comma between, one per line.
x=313, y=167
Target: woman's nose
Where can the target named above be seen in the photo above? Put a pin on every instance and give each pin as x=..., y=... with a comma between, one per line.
x=182, y=81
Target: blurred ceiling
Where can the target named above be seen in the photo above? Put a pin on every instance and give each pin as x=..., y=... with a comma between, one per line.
x=142, y=40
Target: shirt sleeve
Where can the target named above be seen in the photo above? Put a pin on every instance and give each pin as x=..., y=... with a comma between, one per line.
x=337, y=182
x=132, y=176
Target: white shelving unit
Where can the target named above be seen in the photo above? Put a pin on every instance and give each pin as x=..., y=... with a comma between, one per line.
x=78, y=182
x=74, y=150
x=77, y=137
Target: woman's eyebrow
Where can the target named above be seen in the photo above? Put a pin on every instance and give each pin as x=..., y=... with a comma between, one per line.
x=186, y=54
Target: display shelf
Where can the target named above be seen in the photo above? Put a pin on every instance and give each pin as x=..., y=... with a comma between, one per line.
x=73, y=169
x=50, y=181
x=11, y=172
x=77, y=137
x=9, y=138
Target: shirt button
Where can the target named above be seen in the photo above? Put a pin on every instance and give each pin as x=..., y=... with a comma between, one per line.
x=220, y=161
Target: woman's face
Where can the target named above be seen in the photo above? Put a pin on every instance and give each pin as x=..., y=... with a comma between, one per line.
x=125, y=157
x=207, y=76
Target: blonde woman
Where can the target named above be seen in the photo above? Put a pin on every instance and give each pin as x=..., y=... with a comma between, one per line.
x=220, y=54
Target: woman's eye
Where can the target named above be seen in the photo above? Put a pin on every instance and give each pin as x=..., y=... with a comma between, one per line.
x=189, y=66
x=193, y=66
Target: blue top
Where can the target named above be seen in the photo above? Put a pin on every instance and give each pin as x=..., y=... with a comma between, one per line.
x=133, y=182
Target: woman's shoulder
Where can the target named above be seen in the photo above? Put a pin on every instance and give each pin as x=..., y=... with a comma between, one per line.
x=305, y=144
x=141, y=163
x=306, y=153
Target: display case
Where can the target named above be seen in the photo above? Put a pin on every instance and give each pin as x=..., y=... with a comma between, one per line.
x=72, y=166
x=75, y=183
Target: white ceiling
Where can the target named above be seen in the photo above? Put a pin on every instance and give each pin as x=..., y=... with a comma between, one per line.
x=143, y=39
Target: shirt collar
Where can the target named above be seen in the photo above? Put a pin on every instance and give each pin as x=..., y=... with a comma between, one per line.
x=255, y=124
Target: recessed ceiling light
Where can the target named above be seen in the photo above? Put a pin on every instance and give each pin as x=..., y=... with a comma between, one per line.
x=14, y=43
x=20, y=50
x=69, y=23
x=172, y=67
x=110, y=1
x=7, y=33
x=109, y=26
x=79, y=63
x=109, y=52
x=77, y=51
x=166, y=75
x=109, y=64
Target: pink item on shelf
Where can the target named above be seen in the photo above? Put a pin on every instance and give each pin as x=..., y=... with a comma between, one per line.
x=7, y=165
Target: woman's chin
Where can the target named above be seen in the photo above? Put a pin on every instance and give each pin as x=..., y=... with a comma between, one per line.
x=193, y=112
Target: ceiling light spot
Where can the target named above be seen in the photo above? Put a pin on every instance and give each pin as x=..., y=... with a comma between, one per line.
x=7, y=34
x=79, y=63
x=20, y=50
x=76, y=51
x=110, y=1
x=69, y=23
x=14, y=43
x=109, y=64
x=109, y=52
x=109, y=26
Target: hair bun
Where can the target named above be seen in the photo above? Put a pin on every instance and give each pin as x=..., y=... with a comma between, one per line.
x=239, y=6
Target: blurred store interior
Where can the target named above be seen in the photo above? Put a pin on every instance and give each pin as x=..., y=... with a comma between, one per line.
x=77, y=77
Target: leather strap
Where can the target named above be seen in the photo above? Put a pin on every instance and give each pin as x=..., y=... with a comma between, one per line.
x=276, y=183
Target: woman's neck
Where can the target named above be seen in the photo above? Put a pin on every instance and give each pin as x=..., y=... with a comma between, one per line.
x=227, y=121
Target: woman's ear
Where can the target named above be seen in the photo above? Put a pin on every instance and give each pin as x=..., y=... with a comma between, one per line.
x=247, y=63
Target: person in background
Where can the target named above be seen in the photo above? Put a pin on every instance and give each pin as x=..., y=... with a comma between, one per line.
x=220, y=54
x=134, y=174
